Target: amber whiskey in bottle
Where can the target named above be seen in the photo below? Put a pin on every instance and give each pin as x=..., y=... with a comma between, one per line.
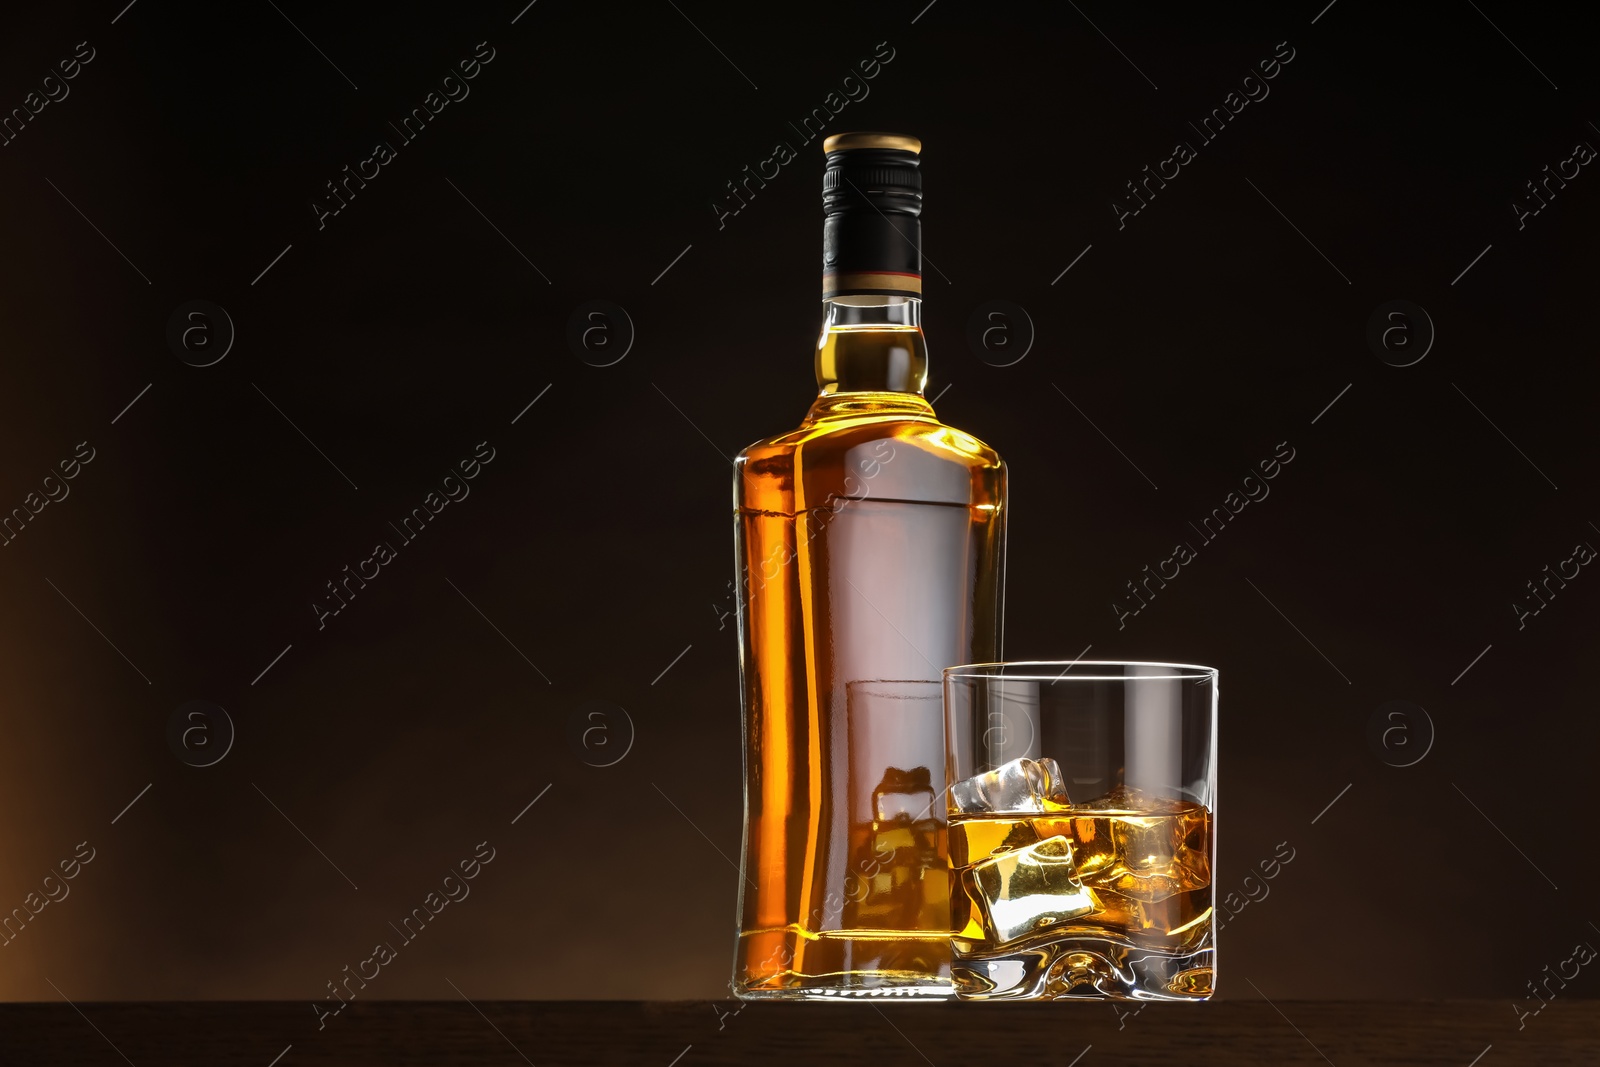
x=870, y=547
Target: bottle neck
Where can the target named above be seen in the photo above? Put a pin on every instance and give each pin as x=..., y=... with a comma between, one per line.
x=872, y=344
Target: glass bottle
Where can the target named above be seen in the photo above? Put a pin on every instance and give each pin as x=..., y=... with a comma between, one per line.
x=870, y=549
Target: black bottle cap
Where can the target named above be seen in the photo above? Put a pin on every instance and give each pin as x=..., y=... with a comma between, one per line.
x=871, y=204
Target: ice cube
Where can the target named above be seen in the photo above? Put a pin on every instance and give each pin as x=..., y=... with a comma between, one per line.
x=1159, y=846
x=1021, y=785
x=1029, y=889
x=973, y=839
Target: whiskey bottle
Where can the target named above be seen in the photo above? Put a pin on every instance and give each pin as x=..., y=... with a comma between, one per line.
x=870, y=551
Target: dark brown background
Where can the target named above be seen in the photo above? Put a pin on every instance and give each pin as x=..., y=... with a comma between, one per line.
x=598, y=541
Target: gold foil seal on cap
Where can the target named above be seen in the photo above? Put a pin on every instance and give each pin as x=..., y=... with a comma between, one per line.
x=841, y=142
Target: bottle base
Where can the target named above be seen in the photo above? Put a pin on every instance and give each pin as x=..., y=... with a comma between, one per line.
x=916, y=990
x=897, y=965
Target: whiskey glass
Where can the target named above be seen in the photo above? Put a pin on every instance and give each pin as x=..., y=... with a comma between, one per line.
x=1082, y=829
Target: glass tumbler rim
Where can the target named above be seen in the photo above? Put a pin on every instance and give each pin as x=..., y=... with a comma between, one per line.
x=1058, y=670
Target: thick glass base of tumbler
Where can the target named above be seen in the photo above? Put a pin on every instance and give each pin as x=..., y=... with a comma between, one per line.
x=1085, y=968
x=839, y=966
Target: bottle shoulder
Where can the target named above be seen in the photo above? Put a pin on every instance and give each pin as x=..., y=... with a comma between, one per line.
x=824, y=442
x=863, y=450
x=846, y=420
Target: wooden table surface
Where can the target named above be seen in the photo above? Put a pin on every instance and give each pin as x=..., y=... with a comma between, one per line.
x=695, y=1033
